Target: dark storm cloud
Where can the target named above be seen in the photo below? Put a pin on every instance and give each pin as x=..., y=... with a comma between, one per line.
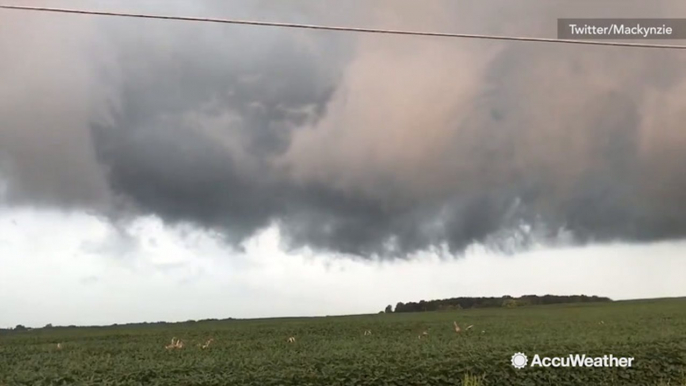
x=358, y=144
x=195, y=124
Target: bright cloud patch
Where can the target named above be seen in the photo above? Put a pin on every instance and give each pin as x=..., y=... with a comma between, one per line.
x=72, y=268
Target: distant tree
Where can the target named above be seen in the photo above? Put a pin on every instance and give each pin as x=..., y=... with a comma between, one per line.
x=49, y=325
x=19, y=327
x=389, y=309
x=490, y=302
x=510, y=303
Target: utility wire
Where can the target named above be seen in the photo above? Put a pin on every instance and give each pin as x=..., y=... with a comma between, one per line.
x=346, y=29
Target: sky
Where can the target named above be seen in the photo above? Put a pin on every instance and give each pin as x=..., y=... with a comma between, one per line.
x=156, y=170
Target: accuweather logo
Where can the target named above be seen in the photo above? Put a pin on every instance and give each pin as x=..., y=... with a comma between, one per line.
x=520, y=360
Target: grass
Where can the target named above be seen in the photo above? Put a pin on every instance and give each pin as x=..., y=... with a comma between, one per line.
x=472, y=380
x=335, y=351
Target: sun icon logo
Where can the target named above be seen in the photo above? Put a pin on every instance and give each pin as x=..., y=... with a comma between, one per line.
x=519, y=360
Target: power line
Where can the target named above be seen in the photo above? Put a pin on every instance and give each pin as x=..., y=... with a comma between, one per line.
x=346, y=29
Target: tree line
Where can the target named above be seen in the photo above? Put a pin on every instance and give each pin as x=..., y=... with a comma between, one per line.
x=491, y=302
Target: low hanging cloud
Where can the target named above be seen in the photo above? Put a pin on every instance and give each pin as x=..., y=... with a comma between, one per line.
x=375, y=146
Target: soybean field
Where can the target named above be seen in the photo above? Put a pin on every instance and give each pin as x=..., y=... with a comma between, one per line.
x=402, y=349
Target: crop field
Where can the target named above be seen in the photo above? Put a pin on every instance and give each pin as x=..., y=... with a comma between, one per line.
x=383, y=349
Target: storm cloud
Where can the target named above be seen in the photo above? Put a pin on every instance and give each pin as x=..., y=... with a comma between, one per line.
x=374, y=146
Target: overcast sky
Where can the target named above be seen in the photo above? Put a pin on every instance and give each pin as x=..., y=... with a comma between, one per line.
x=157, y=170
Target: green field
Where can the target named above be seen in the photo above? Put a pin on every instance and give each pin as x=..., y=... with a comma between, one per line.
x=334, y=350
